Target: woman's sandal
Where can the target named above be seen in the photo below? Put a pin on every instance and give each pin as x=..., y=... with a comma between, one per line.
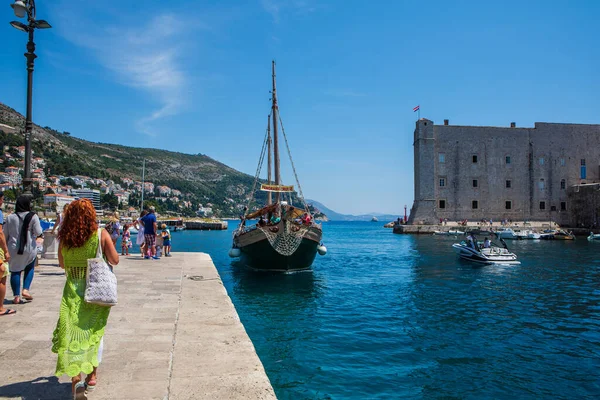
x=89, y=386
x=27, y=297
x=79, y=391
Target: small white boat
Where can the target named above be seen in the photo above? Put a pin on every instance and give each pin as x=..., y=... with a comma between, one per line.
x=506, y=233
x=448, y=233
x=527, y=234
x=488, y=255
x=593, y=236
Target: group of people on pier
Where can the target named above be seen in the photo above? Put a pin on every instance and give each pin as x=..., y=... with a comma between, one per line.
x=78, y=337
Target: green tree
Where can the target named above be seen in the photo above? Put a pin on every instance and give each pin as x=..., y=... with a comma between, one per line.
x=10, y=195
x=110, y=201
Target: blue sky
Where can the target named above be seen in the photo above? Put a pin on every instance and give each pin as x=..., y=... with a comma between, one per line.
x=195, y=77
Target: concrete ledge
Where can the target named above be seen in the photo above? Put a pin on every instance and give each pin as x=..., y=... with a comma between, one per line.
x=174, y=335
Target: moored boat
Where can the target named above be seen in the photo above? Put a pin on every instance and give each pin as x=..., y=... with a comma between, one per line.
x=472, y=251
x=556, y=234
x=593, y=236
x=285, y=238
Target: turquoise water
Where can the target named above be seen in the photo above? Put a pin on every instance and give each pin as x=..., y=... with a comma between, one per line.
x=386, y=316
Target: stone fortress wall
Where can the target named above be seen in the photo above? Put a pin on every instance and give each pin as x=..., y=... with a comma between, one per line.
x=480, y=172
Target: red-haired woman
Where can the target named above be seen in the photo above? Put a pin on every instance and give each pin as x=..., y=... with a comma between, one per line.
x=78, y=335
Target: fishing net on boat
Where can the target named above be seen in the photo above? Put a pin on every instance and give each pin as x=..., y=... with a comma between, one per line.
x=287, y=239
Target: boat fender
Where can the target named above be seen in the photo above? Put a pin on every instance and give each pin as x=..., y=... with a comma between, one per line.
x=235, y=252
x=322, y=250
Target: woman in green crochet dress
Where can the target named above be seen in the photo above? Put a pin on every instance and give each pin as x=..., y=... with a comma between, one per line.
x=78, y=335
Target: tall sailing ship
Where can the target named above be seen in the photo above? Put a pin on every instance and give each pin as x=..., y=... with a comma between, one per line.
x=285, y=238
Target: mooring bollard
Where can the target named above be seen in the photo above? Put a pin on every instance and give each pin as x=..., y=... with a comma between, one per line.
x=50, y=249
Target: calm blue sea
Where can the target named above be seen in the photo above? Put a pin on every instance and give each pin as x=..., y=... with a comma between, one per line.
x=386, y=316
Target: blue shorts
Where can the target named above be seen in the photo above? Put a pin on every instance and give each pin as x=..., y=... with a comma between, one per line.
x=166, y=242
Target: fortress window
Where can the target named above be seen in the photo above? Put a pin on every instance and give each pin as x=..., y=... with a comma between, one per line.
x=563, y=184
x=508, y=205
x=508, y=159
x=474, y=158
x=583, y=162
x=442, y=182
x=508, y=184
x=442, y=203
x=563, y=206
x=562, y=162
x=541, y=160
x=475, y=183
x=542, y=184
x=442, y=158
x=542, y=205
x=474, y=204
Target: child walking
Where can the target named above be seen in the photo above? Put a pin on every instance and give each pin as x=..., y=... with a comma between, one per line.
x=125, y=241
x=166, y=235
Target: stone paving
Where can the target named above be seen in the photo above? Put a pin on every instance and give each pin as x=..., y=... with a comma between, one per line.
x=174, y=335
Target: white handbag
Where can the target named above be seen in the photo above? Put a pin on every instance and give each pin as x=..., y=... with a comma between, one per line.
x=101, y=282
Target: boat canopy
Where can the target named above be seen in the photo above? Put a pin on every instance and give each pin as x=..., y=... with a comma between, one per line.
x=289, y=212
x=263, y=211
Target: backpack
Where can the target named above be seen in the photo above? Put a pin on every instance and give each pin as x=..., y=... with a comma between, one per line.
x=110, y=227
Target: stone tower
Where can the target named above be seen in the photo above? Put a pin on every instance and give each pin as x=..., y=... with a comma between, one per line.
x=423, y=209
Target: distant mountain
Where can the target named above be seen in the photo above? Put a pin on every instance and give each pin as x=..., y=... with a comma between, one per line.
x=335, y=216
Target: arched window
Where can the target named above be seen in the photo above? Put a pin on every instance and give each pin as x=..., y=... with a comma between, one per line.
x=542, y=184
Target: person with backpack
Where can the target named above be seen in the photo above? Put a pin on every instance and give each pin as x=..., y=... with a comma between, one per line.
x=22, y=229
x=113, y=227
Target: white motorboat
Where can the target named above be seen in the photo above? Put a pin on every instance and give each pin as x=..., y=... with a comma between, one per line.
x=449, y=233
x=506, y=233
x=488, y=255
x=527, y=234
x=593, y=236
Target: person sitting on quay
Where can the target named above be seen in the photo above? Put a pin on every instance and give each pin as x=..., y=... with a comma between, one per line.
x=78, y=337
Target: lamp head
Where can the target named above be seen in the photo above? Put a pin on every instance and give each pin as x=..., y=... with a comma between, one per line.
x=42, y=24
x=20, y=26
x=19, y=8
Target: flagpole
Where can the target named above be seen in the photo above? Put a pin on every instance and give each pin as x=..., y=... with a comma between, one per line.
x=419, y=113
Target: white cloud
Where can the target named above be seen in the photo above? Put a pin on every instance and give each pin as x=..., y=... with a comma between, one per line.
x=277, y=7
x=146, y=55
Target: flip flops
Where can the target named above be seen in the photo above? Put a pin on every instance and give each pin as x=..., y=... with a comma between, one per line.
x=27, y=297
x=89, y=387
x=8, y=311
x=79, y=391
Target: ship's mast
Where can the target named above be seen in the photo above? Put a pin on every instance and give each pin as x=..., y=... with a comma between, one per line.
x=275, y=113
x=270, y=162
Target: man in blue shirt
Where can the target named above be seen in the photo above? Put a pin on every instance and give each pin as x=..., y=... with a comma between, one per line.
x=150, y=229
x=3, y=264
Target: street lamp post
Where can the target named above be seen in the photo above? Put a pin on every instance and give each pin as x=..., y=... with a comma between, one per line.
x=26, y=8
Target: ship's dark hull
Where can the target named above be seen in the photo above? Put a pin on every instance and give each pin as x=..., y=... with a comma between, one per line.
x=262, y=256
x=258, y=253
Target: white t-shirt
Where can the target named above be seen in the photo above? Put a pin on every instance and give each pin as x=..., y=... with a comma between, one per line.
x=12, y=231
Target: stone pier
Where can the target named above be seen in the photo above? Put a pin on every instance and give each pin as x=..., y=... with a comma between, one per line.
x=174, y=335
